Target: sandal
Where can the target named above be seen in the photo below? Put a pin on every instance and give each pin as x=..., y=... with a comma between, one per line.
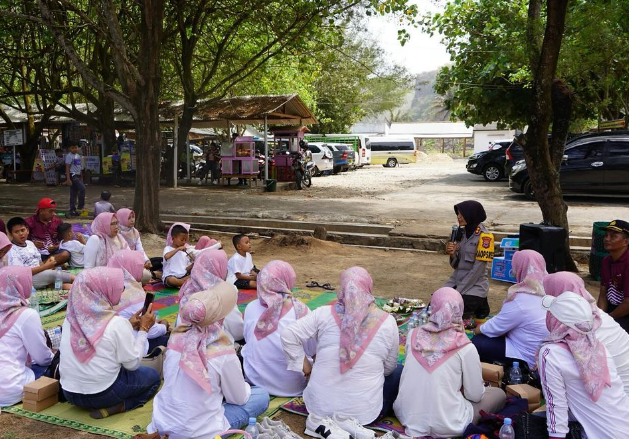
x=313, y=284
x=327, y=287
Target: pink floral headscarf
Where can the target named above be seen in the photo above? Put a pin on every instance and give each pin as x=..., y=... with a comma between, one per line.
x=5, y=243
x=357, y=315
x=132, y=264
x=441, y=338
x=530, y=268
x=130, y=234
x=91, y=302
x=169, y=236
x=588, y=352
x=209, y=269
x=16, y=284
x=275, y=284
x=101, y=227
x=204, y=338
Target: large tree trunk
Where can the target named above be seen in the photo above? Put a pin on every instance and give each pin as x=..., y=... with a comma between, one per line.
x=550, y=97
x=185, y=123
x=107, y=124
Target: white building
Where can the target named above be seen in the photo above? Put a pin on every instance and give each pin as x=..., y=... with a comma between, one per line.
x=484, y=134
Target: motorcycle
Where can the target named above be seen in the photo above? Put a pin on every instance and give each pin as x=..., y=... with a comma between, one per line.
x=303, y=171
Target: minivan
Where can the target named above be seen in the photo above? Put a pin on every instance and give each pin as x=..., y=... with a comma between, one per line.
x=390, y=152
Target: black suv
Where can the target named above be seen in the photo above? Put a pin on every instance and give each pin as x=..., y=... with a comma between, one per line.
x=490, y=164
x=592, y=164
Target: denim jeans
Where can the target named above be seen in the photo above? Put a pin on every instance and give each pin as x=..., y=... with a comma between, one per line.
x=390, y=390
x=38, y=370
x=162, y=340
x=133, y=388
x=238, y=415
x=77, y=188
x=490, y=349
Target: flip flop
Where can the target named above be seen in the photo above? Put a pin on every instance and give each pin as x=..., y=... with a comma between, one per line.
x=327, y=287
x=313, y=284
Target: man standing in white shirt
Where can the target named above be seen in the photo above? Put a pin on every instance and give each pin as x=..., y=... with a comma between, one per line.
x=74, y=179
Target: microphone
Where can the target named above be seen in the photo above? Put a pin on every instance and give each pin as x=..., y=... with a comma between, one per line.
x=456, y=234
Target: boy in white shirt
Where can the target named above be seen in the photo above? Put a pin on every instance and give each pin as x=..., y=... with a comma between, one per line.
x=24, y=253
x=74, y=243
x=177, y=261
x=240, y=269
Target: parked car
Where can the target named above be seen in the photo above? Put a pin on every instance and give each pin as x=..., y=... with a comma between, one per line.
x=322, y=157
x=343, y=157
x=491, y=163
x=514, y=154
x=592, y=164
x=391, y=151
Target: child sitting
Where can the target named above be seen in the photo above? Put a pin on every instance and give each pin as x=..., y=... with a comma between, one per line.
x=103, y=205
x=240, y=269
x=24, y=253
x=74, y=243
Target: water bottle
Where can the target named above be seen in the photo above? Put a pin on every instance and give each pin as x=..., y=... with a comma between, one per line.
x=33, y=302
x=58, y=279
x=506, y=432
x=252, y=428
x=413, y=323
x=516, y=374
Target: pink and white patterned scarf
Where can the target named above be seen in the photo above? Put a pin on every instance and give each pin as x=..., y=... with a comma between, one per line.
x=132, y=264
x=530, y=268
x=203, y=337
x=128, y=233
x=357, y=315
x=275, y=284
x=441, y=338
x=209, y=269
x=5, y=244
x=91, y=301
x=16, y=284
x=169, y=236
x=588, y=352
x=101, y=227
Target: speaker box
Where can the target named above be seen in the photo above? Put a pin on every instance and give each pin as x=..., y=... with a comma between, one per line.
x=549, y=241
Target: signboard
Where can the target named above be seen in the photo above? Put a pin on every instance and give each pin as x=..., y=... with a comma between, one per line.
x=92, y=164
x=44, y=167
x=13, y=137
x=612, y=124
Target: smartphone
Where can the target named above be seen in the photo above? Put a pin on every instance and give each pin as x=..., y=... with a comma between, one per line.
x=147, y=302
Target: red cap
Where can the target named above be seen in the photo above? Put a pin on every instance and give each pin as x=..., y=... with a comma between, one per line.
x=46, y=203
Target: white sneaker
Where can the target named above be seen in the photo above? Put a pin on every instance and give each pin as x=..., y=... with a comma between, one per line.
x=324, y=428
x=353, y=427
x=393, y=435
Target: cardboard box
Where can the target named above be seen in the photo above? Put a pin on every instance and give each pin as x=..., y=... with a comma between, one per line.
x=532, y=394
x=493, y=373
x=540, y=409
x=41, y=389
x=38, y=406
x=501, y=270
x=493, y=383
x=533, y=406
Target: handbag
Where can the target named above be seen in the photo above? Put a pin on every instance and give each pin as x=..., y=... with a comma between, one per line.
x=155, y=360
x=527, y=426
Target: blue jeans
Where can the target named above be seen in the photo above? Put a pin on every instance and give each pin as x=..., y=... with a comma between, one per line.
x=38, y=370
x=390, y=390
x=490, y=349
x=162, y=340
x=238, y=415
x=132, y=388
x=77, y=188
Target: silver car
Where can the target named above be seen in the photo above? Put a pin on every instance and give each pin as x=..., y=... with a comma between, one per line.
x=322, y=157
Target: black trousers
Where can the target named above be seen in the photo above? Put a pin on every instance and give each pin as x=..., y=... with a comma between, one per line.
x=475, y=306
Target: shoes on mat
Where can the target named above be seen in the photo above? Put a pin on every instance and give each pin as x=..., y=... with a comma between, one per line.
x=393, y=435
x=324, y=428
x=278, y=428
x=353, y=427
x=469, y=323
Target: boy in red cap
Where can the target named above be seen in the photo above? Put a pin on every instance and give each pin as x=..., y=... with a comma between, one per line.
x=43, y=231
x=614, y=295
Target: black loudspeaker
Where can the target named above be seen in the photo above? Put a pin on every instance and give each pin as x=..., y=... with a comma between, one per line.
x=549, y=241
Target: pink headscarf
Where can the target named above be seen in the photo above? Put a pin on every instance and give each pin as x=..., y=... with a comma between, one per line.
x=169, y=236
x=209, y=269
x=275, y=284
x=439, y=339
x=93, y=295
x=4, y=243
x=588, y=352
x=132, y=264
x=205, y=338
x=101, y=227
x=530, y=268
x=357, y=315
x=16, y=284
x=130, y=234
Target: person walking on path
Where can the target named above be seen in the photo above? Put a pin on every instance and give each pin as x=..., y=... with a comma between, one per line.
x=74, y=179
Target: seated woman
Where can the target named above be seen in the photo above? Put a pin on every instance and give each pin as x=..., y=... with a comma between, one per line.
x=5, y=246
x=100, y=356
x=132, y=263
x=517, y=331
x=201, y=370
x=607, y=330
x=104, y=242
x=264, y=361
x=357, y=346
x=578, y=375
x=441, y=362
x=21, y=336
x=128, y=232
x=209, y=270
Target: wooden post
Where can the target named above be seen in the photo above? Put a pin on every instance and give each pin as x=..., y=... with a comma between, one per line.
x=464, y=145
x=442, y=145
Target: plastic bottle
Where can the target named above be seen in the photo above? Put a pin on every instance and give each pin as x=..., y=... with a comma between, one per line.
x=506, y=432
x=515, y=377
x=58, y=279
x=33, y=302
x=252, y=428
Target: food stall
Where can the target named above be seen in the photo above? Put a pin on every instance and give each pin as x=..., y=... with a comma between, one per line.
x=240, y=161
x=286, y=144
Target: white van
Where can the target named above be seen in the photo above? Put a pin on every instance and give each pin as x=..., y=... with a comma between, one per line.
x=391, y=151
x=359, y=143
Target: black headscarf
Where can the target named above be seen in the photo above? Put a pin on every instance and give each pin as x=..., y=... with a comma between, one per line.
x=473, y=213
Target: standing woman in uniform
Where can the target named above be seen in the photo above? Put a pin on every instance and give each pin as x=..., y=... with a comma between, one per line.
x=469, y=257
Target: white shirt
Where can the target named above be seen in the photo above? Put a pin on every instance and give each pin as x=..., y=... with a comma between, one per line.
x=523, y=323
x=117, y=348
x=157, y=330
x=76, y=249
x=175, y=266
x=91, y=252
x=182, y=409
x=564, y=391
x=357, y=392
x=239, y=264
x=234, y=324
x=74, y=160
x=26, y=337
x=25, y=256
x=137, y=246
x=616, y=341
x=264, y=361
x=431, y=404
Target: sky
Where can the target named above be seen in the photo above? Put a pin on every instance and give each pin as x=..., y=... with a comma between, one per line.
x=421, y=53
